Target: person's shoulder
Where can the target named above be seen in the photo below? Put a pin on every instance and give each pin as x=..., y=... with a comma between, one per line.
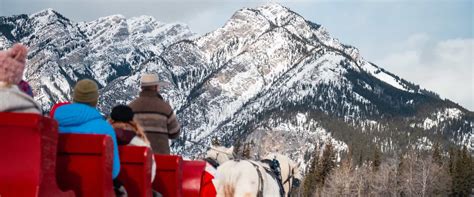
x=134, y=101
x=137, y=102
x=76, y=113
x=102, y=125
x=77, y=107
x=165, y=106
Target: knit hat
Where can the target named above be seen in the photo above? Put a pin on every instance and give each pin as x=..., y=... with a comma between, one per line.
x=12, y=64
x=149, y=80
x=122, y=113
x=86, y=91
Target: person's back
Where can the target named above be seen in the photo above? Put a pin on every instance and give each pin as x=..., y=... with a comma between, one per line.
x=14, y=100
x=82, y=117
x=12, y=65
x=155, y=115
x=128, y=132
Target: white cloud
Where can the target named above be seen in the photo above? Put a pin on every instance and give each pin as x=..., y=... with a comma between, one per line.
x=445, y=67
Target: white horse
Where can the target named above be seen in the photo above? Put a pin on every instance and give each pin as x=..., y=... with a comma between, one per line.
x=220, y=154
x=246, y=178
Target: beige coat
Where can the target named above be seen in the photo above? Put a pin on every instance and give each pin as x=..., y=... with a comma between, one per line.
x=157, y=119
x=14, y=100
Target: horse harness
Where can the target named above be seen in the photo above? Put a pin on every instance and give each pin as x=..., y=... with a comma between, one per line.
x=260, y=179
x=274, y=171
x=212, y=161
x=294, y=183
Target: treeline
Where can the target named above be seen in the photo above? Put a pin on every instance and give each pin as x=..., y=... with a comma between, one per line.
x=413, y=173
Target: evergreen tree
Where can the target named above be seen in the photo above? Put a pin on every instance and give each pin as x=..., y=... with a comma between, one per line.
x=237, y=147
x=462, y=173
x=215, y=141
x=246, y=150
x=309, y=185
x=452, y=161
x=376, y=160
x=452, y=169
x=400, y=170
x=437, y=158
x=328, y=162
x=360, y=161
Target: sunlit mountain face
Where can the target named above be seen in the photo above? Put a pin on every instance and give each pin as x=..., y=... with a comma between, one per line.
x=268, y=77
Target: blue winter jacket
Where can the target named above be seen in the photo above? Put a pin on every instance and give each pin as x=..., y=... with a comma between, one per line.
x=84, y=119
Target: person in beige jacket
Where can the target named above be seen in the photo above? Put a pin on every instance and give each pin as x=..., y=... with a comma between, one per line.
x=155, y=115
x=12, y=99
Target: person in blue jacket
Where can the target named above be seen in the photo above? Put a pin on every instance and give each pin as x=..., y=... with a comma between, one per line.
x=82, y=117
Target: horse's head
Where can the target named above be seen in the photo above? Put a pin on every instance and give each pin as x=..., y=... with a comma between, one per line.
x=220, y=154
x=290, y=172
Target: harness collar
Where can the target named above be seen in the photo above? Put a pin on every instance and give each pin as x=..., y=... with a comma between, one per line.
x=212, y=161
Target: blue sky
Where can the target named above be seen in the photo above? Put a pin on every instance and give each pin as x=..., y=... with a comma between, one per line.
x=427, y=42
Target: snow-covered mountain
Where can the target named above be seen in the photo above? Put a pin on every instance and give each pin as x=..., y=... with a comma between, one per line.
x=61, y=51
x=268, y=76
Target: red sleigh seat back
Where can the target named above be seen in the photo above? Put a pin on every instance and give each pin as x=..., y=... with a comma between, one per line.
x=85, y=164
x=28, y=145
x=169, y=177
x=135, y=170
x=192, y=176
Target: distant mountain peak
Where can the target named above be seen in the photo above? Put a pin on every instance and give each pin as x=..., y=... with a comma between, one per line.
x=276, y=13
x=47, y=11
x=267, y=74
x=48, y=15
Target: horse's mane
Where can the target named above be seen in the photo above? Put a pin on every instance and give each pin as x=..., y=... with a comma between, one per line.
x=220, y=153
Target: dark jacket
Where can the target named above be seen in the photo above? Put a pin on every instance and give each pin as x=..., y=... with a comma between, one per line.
x=157, y=119
x=124, y=137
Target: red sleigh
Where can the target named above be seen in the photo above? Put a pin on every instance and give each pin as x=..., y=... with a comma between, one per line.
x=34, y=164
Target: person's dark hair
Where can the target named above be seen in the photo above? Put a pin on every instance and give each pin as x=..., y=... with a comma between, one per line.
x=122, y=113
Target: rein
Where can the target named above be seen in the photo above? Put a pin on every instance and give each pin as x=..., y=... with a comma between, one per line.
x=291, y=175
x=274, y=171
x=260, y=180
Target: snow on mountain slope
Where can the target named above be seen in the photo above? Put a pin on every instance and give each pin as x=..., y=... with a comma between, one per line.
x=281, y=59
x=61, y=51
x=267, y=74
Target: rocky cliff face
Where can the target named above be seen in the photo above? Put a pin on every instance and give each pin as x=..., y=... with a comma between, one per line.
x=267, y=77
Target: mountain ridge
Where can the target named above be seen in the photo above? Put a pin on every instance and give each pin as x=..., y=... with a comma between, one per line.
x=241, y=81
